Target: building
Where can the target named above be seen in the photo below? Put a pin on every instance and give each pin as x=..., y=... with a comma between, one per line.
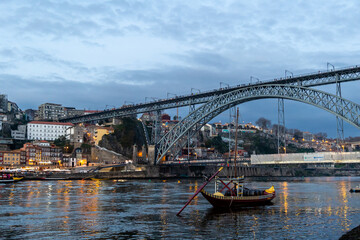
x=307, y=136
x=3, y=103
x=72, y=112
x=149, y=117
x=40, y=153
x=75, y=159
x=51, y=111
x=10, y=157
x=100, y=132
x=30, y=114
x=76, y=133
x=13, y=107
x=3, y=118
x=38, y=130
x=20, y=133
x=208, y=131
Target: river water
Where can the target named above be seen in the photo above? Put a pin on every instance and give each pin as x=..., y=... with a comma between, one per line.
x=307, y=208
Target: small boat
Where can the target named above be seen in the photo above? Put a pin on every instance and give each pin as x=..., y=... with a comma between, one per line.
x=11, y=179
x=355, y=189
x=237, y=195
x=16, y=179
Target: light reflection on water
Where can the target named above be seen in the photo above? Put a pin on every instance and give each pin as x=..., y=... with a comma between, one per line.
x=308, y=208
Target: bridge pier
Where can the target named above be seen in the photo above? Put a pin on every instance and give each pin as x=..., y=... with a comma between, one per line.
x=151, y=154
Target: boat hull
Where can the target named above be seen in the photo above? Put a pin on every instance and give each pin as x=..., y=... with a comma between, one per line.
x=355, y=190
x=7, y=180
x=237, y=202
x=11, y=180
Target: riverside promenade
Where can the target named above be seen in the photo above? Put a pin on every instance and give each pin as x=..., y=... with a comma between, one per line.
x=184, y=171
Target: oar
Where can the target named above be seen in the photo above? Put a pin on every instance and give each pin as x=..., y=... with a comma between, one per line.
x=197, y=192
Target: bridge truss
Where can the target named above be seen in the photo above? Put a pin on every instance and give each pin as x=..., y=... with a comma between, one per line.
x=176, y=138
x=310, y=80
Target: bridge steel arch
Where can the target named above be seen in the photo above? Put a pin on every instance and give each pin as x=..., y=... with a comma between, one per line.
x=176, y=138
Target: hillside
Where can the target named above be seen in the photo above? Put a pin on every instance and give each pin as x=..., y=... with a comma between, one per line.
x=125, y=135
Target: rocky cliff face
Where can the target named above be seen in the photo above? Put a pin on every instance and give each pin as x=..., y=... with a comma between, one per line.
x=125, y=135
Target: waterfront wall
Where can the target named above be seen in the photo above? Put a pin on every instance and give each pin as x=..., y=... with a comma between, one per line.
x=104, y=156
x=178, y=172
x=299, y=158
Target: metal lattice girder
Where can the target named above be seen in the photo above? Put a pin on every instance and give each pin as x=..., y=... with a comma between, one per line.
x=310, y=80
x=146, y=133
x=281, y=134
x=347, y=110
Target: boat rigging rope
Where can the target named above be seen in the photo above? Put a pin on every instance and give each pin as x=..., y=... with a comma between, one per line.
x=232, y=198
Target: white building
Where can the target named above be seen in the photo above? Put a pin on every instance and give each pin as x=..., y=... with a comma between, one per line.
x=38, y=130
x=208, y=130
x=75, y=134
x=20, y=133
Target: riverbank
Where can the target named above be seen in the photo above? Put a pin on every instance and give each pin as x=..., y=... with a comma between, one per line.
x=184, y=171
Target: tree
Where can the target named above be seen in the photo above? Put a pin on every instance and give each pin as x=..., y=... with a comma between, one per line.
x=298, y=135
x=61, y=141
x=275, y=129
x=321, y=136
x=263, y=123
x=218, y=144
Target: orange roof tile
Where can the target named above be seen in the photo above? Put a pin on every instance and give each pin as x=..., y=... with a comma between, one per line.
x=51, y=123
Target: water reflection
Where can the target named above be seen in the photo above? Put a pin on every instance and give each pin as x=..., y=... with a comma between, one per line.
x=343, y=211
x=314, y=208
x=285, y=194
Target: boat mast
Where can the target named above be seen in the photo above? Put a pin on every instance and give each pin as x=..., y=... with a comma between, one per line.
x=236, y=131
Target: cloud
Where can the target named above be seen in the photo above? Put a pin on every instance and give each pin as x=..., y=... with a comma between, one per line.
x=96, y=53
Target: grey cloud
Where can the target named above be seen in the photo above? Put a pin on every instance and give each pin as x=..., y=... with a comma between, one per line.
x=7, y=52
x=206, y=59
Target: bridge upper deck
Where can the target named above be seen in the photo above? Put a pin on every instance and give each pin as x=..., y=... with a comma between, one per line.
x=307, y=80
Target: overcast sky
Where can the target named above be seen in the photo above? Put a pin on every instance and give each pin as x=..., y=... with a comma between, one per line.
x=89, y=54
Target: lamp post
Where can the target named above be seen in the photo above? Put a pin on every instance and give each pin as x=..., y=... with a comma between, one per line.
x=329, y=64
x=286, y=71
x=251, y=78
x=195, y=89
x=222, y=83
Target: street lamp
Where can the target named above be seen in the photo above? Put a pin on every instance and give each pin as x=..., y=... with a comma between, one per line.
x=195, y=89
x=224, y=84
x=286, y=71
x=329, y=64
x=251, y=78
